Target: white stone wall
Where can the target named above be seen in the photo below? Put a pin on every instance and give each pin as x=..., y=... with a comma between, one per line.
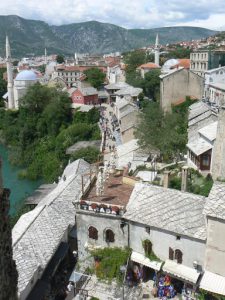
x=101, y=222
x=215, y=250
x=192, y=249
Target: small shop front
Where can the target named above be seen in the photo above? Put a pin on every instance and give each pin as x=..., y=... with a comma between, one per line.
x=142, y=269
x=177, y=279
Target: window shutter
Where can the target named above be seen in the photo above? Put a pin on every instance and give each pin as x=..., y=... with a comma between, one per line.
x=110, y=236
x=171, y=253
x=93, y=233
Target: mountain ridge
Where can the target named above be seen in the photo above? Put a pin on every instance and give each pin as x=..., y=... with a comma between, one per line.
x=32, y=36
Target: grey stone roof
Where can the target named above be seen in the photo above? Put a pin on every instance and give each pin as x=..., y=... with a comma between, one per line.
x=88, y=91
x=168, y=209
x=199, y=146
x=37, y=234
x=215, y=204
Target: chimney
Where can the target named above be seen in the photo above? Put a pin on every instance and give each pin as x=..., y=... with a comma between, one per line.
x=166, y=179
x=184, y=178
x=1, y=181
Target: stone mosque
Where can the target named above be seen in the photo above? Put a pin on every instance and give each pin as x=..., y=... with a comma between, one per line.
x=17, y=88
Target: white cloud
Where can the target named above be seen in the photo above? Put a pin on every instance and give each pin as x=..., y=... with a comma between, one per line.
x=127, y=13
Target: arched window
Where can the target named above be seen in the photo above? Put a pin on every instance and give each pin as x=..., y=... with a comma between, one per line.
x=147, y=245
x=92, y=233
x=109, y=236
x=178, y=256
x=171, y=253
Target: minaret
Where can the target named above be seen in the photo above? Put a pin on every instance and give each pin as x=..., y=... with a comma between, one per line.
x=76, y=58
x=157, y=50
x=11, y=103
x=45, y=56
x=8, y=272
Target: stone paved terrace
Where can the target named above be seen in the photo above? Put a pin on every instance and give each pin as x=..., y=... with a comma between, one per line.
x=115, y=192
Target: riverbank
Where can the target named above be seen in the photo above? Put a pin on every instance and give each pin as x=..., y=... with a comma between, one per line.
x=20, y=189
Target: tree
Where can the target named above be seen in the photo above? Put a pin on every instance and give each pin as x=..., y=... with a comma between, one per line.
x=167, y=133
x=60, y=59
x=151, y=84
x=90, y=154
x=42, y=69
x=95, y=77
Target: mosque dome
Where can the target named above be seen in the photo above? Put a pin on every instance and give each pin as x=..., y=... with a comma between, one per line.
x=171, y=62
x=169, y=65
x=26, y=75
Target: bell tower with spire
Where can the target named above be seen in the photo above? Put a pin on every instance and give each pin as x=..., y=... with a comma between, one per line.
x=11, y=103
x=157, y=50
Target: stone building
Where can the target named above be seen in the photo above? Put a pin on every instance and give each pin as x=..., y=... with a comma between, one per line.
x=203, y=60
x=176, y=85
x=99, y=217
x=218, y=162
x=8, y=272
x=213, y=279
x=40, y=237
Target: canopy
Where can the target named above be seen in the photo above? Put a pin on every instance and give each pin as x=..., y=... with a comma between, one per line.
x=180, y=271
x=141, y=259
x=212, y=282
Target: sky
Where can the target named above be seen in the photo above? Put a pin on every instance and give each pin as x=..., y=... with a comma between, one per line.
x=125, y=13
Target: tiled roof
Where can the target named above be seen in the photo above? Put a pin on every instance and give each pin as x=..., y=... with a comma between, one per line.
x=209, y=131
x=149, y=65
x=168, y=209
x=215, y=204
x=37, y=234
x=199, y=146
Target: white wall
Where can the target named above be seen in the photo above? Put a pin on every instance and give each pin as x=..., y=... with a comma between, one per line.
x=192, y=249
x=101, y=222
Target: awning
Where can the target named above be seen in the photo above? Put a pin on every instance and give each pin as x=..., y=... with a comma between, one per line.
x=141, y=259
x=199, y=146
x=180, y=271
x=213, y=283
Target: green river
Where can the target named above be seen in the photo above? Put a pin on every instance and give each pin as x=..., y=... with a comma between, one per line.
x=20, y=189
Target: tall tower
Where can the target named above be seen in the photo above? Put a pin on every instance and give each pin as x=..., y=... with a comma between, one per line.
x=11, y=103
x=157, y=50
x=218, y=156
x=45, y=56
x=8, y=272
x=76, y=58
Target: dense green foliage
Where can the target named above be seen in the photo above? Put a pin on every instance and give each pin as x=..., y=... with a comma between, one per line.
x=111, y=259
x=95, y=77
x=197, y=184
x=165, y=132
x=42, y=129
x=90, y=154
x=179, y=52
x=60, y=59
x=151, y=83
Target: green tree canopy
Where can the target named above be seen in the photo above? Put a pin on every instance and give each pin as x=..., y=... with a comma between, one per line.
x=167, y=133
x=95, y=77
x=60, y=59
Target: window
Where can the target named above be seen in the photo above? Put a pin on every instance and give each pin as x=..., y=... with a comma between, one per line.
x=92, y=233
x=178, y=237
x=109, y=236
x=205, y=160
x=178, y=256
x=147, y=229
x=147, y=245
x=171, y=253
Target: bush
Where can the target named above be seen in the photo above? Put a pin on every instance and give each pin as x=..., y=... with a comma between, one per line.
x=110, y=261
